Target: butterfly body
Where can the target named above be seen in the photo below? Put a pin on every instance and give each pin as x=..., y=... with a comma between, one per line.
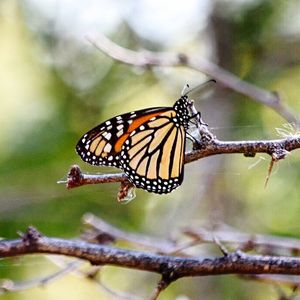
x=148, y=145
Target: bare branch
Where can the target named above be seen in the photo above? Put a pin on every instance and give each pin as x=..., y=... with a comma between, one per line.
x=278, y=149
x=148, y=58
x=76, y=178
x=168, y=266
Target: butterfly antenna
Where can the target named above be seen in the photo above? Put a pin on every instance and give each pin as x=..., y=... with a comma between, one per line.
x=186, y=89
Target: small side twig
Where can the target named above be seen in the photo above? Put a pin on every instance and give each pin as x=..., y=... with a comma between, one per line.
x=8, y=285
x=221, y=246
x=91, y=275
x=245, y=240
x=161, y=286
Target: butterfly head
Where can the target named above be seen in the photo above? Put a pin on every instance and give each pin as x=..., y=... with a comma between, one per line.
x=181, y=107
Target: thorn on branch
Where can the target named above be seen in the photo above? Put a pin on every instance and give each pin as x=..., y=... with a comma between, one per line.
x=31, y=237
x=249, y=154
x=277, y=155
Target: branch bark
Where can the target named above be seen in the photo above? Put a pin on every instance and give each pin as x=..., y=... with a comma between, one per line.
x=277, y=149
x=170, y=267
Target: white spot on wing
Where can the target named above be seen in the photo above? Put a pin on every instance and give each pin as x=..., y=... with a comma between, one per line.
x=107, y=148
x=107, y=136
x=119, y=133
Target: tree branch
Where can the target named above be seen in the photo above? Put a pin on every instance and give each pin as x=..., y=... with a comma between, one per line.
x=147, y=59
x=170, y=267
x=278, y=149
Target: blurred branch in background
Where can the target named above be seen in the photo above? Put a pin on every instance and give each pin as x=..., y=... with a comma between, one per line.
x=148, y=59
x=197, y=236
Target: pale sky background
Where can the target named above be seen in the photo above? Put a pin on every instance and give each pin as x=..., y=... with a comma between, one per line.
x=151, y=19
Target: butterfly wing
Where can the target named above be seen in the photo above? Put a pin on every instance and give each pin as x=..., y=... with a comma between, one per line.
x=153, y=154
x=102, y=145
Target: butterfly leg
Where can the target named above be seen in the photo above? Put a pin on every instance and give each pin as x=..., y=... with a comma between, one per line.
x=196, y=143
x=198, y=117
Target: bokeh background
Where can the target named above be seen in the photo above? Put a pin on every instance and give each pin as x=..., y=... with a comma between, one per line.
x=54, y=86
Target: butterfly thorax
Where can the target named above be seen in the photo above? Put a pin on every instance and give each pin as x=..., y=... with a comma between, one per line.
x=181, y=107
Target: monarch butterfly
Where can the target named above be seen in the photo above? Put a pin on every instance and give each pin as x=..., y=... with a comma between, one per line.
x=148, y=145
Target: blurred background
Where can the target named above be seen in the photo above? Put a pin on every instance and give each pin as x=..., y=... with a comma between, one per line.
x=54, y=86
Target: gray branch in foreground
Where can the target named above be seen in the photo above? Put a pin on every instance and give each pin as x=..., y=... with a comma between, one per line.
x=149, y=58
x=170, y=267
x=278, y=149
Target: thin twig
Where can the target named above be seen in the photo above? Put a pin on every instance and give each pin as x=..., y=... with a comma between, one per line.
x=8, y=285
x=148, y=58
x=288, y=280
x=247, y=240
x=91, y=276
x=161, y=286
